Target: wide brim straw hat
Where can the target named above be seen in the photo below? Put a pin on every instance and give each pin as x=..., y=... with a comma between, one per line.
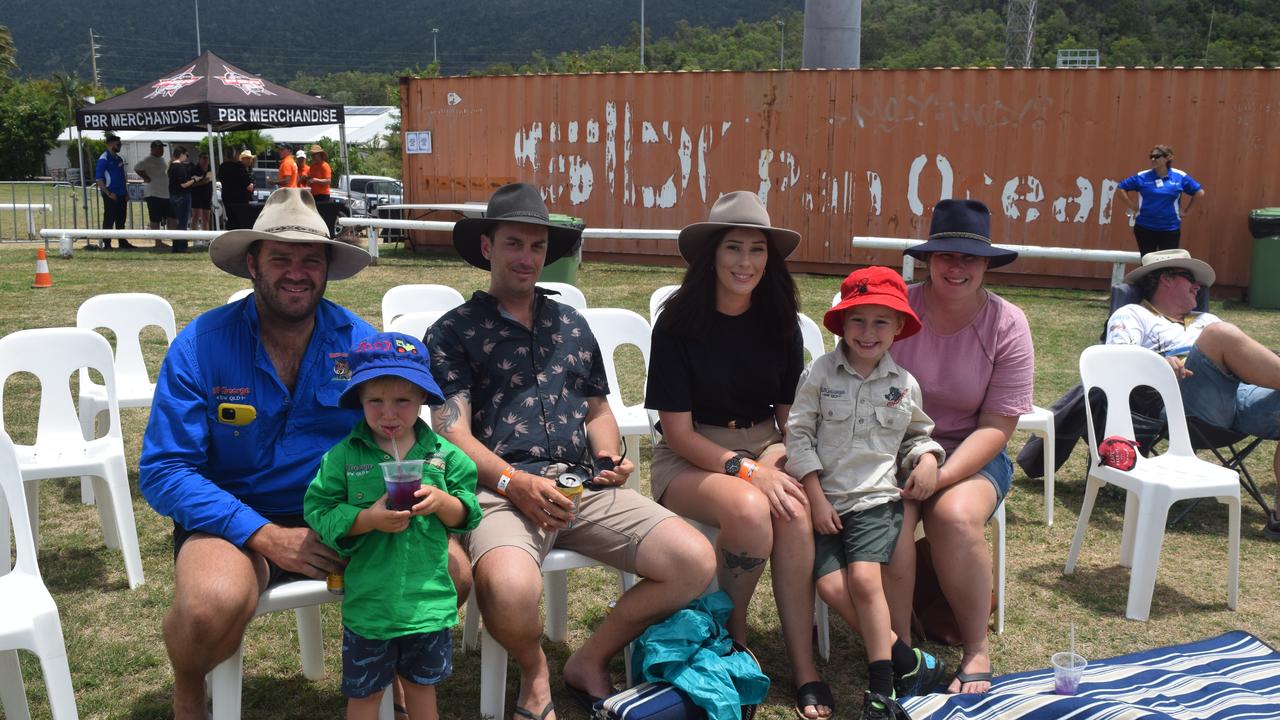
x=1170, y=259
x=738, y=209
x=518, y=203
x=962, y=226
x=289, y=215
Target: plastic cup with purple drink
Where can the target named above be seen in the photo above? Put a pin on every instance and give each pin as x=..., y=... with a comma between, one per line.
x=1068, y=668
x=403, y=478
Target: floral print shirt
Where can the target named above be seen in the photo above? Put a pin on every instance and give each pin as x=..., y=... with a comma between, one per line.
x=528, y=387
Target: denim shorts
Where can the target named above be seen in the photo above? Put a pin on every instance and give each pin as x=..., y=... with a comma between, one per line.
x=1220, y=399
x=369, y=666
x=1000, y=473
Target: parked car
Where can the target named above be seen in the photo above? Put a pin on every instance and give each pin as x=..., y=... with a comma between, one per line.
x=264, y=184
x=367, y=192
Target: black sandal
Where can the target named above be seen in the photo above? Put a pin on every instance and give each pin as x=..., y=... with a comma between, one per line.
x=814, y=694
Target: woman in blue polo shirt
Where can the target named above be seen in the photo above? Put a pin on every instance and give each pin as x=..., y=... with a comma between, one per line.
x=1160, y=189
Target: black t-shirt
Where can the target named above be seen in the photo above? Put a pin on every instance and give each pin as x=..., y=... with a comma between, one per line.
x=178, y=174
x=730, y=373
x=235, y=180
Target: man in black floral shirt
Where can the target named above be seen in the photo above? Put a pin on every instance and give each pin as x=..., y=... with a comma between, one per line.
x=525, y=393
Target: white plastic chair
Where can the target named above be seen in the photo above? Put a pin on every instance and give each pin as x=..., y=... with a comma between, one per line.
x=1154, y=483
x=658, y=297
x=415, y=324
x=403, y=299
x=1040, y=422
x=569, y=294
x=239, y=294
x=614, y=328
x=61, y=450
x=304, y=598
x=493, y=657
x=126, y=315
x=997, y=569
x=28, y=616
x=812, y=337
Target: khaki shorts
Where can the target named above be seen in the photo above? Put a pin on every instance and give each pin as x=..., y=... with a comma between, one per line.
x=609, y=528
x=755, y=441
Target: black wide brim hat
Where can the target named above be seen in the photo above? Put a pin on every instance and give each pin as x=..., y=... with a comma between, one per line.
x=962, y=226
x=518, y=203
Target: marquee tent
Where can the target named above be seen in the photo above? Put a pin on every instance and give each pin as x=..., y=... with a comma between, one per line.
x=210, y=94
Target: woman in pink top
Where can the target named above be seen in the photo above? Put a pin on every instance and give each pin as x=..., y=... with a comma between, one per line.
x=974, y=362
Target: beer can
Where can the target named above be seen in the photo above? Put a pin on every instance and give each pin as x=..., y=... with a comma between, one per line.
x=336, y=583
x=570, y=485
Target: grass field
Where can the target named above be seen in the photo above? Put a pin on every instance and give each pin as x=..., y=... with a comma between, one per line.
x=118, y=661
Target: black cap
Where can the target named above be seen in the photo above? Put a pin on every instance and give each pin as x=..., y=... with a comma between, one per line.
x=284, y=146
x=156, y=143
x=112, y=136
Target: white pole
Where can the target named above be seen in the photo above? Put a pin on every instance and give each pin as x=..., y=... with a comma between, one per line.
x=641, y=34
x=213, y=167
x=198, y=53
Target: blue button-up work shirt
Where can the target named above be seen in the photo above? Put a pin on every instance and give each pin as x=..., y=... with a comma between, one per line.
x=529, y=387
x=227, y=443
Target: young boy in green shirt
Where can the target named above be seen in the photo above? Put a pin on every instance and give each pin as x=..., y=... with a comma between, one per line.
x=399, y=602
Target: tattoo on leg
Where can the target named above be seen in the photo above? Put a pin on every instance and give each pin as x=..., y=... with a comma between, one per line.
x=445, y=416
x=739, y=565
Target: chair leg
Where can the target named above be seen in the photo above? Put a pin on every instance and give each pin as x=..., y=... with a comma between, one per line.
x=309, y=641
x=556, y=588
x=471, y=624
x=387, y=707
x=998, y=566
x=1086, y=508
x=32, y=490
x=1049, y=462
x=493, y=677
x=822, y=626
x=106, y=514
x=57, y=681
x=116, y=484
x=1233, y=549
x=1132, y=510
x=89, y=425
x=1148, y=532
x=4, y=536
x=225, y=686
x=13, y=694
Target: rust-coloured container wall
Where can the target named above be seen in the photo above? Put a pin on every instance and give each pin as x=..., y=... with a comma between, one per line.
x=863, y=152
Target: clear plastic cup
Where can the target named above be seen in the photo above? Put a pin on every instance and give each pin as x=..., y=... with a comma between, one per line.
x=403, y=478
x=1068, y=667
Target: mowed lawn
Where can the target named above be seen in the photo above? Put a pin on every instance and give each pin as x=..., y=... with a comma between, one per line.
x=113, y=634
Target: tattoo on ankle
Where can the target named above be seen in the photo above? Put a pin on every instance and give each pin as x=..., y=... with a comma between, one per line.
x=739, y=565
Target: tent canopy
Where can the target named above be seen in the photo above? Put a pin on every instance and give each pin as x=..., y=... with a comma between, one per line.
x=208, y=91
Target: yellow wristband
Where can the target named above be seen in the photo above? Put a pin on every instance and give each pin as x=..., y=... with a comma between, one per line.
x=747, y=469
x=504, y=480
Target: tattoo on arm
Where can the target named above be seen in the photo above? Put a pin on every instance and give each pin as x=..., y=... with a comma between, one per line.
x=739, y=565
x=454, y=408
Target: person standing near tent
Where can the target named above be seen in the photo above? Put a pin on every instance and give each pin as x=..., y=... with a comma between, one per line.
x=181, y=180
x=154, y=171
x=319, y=174
x=236, y=177
x=110, y=178
x=300, y=158
x=287, y=176
x=202, y=194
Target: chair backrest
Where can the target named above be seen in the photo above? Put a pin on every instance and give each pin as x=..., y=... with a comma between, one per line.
x=415, y=324
x=569, y=294
x=53, y=355
x=126, y=315
x=658, y=297
x=835, y=299
x=613, y=328
x=14, y=496
x=239, y=295
x=812, y=335
x=1128, y=294
x=1119, y=369
x=403, y=299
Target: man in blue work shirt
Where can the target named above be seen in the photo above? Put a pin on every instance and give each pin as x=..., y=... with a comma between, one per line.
x=245, y=406
x=109, y=176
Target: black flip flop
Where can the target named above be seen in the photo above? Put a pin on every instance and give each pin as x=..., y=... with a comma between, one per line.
x=813, y=694
x=585, y=700
x=974, y=677
x=525, y=712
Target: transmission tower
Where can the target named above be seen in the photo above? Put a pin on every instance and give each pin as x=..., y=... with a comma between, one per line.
x=1020, y=33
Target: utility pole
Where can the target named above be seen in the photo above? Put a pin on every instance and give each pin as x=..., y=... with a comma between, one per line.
x=782, y=44
x=435, y=59
x=198, y=28
x=93, y=60
x=641, y=34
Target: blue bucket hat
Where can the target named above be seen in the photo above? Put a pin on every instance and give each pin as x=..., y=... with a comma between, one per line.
x=962, y=226
x=390, y=354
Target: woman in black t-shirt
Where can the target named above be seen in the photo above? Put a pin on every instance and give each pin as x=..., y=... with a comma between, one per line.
x=724, y=363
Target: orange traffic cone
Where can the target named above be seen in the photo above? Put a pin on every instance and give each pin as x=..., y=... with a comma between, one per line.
x=43, y=278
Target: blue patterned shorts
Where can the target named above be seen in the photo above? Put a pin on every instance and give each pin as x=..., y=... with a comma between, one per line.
x=368, y=666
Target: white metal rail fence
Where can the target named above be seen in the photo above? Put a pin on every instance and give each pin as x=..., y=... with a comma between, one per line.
x=26, y=207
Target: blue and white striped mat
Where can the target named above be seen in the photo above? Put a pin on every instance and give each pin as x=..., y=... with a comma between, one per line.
x=1234, y=676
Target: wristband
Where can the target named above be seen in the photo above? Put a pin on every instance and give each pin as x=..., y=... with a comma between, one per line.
x=504, y=480
x=747, y=469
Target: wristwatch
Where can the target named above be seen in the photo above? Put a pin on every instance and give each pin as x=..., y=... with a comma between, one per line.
x=733, y=465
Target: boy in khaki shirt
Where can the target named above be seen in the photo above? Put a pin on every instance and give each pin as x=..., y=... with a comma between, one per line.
x=856, y=423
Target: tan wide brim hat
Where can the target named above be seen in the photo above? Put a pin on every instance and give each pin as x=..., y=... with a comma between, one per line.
x=315, y=149
x=1169, y=259
x=738, y=209
x=289, y=215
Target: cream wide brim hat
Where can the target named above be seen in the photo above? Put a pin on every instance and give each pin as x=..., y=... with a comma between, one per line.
x=289, y=215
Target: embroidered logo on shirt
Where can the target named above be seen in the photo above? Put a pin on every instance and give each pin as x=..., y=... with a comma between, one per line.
x=359, y=469
x=222, y=393
x=436, y=462
x=895, y=396
x=342, y=369
x=830, y=393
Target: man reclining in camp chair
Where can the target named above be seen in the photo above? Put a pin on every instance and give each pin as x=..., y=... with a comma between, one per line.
x=1227, y=378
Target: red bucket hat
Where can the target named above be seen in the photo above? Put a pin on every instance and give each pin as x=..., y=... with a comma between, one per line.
x=873, y=285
